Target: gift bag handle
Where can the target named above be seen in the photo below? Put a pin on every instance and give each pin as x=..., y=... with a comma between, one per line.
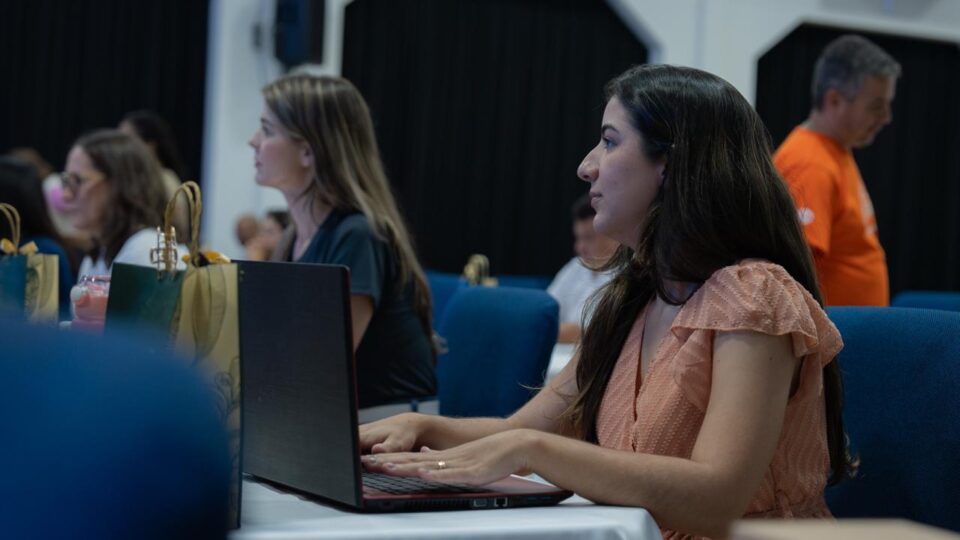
x=13, y=218
x=191, y=192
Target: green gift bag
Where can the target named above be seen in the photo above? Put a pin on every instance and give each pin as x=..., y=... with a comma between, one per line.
x=29, y=281
x=196, y=307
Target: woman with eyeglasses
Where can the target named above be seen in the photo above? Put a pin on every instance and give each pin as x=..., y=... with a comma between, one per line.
x=114, y=191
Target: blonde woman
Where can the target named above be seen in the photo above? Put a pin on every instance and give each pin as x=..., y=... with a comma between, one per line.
x=316, y=145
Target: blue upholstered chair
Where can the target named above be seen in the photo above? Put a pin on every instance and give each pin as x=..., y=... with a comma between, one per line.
x=442, y=286
x=524, y=282
x=901, y=370
x=107, y=438
x=499, y=340
x=945, y=300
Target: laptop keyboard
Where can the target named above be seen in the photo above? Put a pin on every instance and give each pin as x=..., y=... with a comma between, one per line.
x=403, y=485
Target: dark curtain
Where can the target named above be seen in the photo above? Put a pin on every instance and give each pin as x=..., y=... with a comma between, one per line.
x=70, y=66
x=912, y=170
x=483, y=110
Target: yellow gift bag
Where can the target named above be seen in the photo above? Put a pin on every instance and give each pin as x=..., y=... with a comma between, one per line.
x=29, y=281
x=197, y=307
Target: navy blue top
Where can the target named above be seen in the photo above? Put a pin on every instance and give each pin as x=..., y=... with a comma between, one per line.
x=394, y=360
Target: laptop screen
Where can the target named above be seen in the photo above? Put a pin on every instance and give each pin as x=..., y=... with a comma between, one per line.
x=297, y=370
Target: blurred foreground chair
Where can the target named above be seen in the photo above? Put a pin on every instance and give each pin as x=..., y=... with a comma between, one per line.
x=945, y=300
x=901, y=372
x=107, y=438
x=499, y=341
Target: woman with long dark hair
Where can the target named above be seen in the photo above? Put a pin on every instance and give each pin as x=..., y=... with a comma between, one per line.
x=706, y=386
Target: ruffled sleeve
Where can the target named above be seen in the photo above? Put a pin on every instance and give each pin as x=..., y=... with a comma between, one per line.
x=753, y=296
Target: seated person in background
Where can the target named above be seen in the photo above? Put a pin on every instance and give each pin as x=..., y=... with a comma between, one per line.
x=156, y=134
x=706, y=387
x=578, y=279
x=269, y=232
x=246, y=229
x=53, y=193
x=316, y=145
x=114, y=192
x=107, y=439
x=32, y=157
x=20, y=187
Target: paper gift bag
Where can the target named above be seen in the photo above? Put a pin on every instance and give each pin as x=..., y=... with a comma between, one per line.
x=198, y=309
x=29, y=281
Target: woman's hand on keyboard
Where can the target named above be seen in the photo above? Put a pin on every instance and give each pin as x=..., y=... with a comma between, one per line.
x=479, y=462
x=395, y=434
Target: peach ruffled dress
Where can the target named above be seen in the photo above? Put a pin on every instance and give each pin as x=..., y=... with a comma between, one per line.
x=663, y=413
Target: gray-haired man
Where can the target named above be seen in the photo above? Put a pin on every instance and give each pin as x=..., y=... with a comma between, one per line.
x=853, y=86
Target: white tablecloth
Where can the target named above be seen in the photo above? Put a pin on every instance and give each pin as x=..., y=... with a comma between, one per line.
x=271, y=514
x=562, y=353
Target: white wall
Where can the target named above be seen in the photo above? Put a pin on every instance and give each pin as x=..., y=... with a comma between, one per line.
x=725, y=37
x=236, y=71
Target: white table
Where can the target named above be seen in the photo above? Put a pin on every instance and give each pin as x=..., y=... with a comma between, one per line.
x=841, y=529
x=560, y=357
x=271, y=514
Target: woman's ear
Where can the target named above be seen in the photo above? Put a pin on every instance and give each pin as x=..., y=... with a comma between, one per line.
x=662, y=171
x=306, y=156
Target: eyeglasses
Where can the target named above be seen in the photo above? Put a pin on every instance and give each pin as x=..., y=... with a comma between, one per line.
x=73, y=182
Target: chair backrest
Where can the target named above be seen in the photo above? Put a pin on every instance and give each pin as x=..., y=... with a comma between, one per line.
x=499, y=340
x=107, y=438
x=945, y=300
x=442, y=286
x=901, y=371
x=524, y=281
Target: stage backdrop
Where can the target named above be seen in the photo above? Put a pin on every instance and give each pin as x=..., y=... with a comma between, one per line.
x=70, y=66
x=484, y=109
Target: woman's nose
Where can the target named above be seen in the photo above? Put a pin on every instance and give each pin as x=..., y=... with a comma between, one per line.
x=587, y=171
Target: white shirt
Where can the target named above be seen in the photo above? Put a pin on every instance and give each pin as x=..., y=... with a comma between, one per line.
x=136, y=250
x=573, y=286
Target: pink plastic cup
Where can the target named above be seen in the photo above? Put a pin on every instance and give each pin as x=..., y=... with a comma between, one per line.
x=89, y=297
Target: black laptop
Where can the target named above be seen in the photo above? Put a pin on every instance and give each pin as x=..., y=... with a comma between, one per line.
x=300, y=406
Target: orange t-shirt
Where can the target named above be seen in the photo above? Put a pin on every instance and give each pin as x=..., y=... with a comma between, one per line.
x=837, y=216
x=662, y=414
